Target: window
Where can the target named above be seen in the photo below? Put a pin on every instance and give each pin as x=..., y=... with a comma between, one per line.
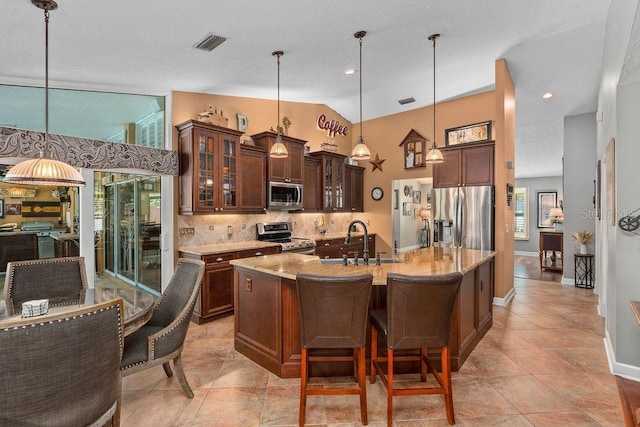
x=521, y=212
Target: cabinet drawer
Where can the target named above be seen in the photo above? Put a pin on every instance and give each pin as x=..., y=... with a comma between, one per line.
x=217, y=258
x=259, y=252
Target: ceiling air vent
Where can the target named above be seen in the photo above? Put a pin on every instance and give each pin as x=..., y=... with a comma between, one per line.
x=209, y=42
x=406, y=101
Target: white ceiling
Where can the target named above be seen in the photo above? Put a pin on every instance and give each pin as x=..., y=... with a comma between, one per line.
x=146, y=46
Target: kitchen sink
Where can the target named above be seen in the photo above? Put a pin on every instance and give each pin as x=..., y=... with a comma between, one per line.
x=372, y=261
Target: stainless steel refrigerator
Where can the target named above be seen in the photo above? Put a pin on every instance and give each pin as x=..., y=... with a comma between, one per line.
x=464, y=217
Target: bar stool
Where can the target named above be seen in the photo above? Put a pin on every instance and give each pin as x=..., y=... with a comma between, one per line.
x=418, y=316
x=333, y=315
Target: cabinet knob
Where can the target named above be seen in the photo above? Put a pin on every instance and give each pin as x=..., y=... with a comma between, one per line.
x=258, y=254
x=326, y=244
x=219, y=259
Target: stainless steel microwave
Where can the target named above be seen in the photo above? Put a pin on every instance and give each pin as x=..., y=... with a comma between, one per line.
x=284, y=195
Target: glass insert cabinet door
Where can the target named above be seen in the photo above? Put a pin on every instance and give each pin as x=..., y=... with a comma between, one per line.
x=132, y=232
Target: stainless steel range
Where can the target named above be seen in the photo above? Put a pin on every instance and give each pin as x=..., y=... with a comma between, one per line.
x=280, y=232
x=43, y=230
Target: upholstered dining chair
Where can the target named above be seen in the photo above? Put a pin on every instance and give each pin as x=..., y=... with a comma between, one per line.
x=333, y=315
x=63, y=281
x=418, y=315
x=63, y=369
x=160, y=340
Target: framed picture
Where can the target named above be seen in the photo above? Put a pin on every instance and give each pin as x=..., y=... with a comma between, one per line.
x=406, y=209
x=417, y=197
x=13, y=209
x=477, y=132
x=546, y=201
x=1, y=208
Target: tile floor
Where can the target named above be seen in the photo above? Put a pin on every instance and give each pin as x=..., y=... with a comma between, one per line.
x=542, y=364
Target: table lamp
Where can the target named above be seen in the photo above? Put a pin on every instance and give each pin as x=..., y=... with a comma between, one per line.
x=424, y=235
x=557, y=216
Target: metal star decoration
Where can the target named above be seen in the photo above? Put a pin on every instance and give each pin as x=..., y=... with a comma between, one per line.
x=377, y=163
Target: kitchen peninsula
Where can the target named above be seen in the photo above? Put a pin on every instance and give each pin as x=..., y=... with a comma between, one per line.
x=266, y=307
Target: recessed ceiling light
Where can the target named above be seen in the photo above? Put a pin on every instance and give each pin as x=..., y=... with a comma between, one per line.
x=547, y=95
x=349, y=72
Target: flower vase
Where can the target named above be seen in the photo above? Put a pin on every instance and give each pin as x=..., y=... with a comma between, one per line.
x=583, y=249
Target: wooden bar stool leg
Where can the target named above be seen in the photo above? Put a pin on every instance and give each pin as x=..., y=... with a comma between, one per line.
x=362, y=381
x=303, y=385
x=389, y=387
x=446, y=379
x=423, y=364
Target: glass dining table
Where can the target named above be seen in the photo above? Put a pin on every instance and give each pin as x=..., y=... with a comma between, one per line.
x=138, y=306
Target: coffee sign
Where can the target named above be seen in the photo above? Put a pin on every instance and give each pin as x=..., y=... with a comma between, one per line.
x=333, y=127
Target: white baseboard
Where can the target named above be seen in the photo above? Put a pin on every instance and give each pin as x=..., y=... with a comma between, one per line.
x=522, y=253
x=503, y=302
x=616, y=368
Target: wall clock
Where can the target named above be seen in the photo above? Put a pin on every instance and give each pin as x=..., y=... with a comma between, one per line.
x=377, y=193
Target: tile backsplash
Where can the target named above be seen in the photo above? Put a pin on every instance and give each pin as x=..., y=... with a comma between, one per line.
x=210, y=229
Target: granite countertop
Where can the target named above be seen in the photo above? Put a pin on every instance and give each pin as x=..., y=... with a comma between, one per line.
x=425, y=261
x=220, y=248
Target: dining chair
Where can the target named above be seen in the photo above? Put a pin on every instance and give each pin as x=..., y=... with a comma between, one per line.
x=161, y=339
x=63, y=281
x=418, y=315
x=333, y=315
x=63, y=369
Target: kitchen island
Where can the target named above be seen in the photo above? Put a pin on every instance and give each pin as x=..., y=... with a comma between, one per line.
x=267, y=328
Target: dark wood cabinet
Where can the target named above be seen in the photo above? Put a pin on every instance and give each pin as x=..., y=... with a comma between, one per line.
x=289, y=169
x=551, y=250
x=312, y=196
x=216, y=297
x=332, y=183
x=209, y=168
x=17, y=247
x=465, y=166
x=253, y=189
x=329, y=248
x=354, y=188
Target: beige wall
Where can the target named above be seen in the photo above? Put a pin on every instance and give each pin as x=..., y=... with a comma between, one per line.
x=262, y=115
x=384, y=135
x=504, y=153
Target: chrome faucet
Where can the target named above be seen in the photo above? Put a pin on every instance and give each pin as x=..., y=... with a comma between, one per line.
x=347, y=240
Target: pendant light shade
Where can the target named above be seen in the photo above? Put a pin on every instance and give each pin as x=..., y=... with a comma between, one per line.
x=278, y=150
x=45, y=170
x=360, y=151
x=434, y=155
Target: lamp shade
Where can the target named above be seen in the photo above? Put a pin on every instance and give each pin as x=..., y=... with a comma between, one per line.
x=360, y=151
x=556, y=213
x=278, y=150
x=424, y=213
x=434, y=156
x=44, y=171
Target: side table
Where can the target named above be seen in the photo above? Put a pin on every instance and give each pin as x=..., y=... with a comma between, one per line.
x=583, y=270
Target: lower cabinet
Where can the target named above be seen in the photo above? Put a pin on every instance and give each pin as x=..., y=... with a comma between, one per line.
x=267, y=322
x=216, y=293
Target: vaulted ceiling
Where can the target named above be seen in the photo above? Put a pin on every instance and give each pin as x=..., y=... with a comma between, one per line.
x=147, y=47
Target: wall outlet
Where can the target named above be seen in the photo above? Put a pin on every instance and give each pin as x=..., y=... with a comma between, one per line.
x=186, y=230
x=229, y=229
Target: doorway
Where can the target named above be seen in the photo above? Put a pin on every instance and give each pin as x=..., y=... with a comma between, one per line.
x=131, y=224
x=410, y=230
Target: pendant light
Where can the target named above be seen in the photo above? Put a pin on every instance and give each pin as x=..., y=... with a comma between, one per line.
x=278, y=150
x=434, y=155
x=45, y=170
x=360, y=151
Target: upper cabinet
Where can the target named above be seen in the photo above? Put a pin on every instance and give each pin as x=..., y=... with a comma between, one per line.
x=332, y=184
x=465, y=166
x=288, y=169
x=209, y=168
x=353, y=188
x=312, y=194
x=253, y=194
